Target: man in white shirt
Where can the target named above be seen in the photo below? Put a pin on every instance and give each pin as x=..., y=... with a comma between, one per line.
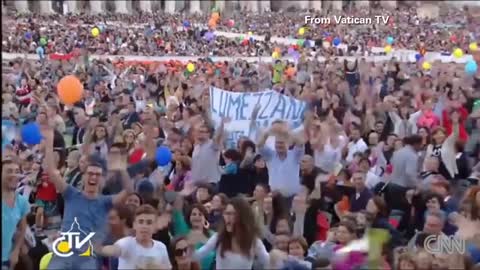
x=371, y=178
x=283, y=164
x=356, y=143
x=141, y=251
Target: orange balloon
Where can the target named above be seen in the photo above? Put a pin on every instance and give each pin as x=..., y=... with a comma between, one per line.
x=215, y=15
x=212, y=23
x=70, y=90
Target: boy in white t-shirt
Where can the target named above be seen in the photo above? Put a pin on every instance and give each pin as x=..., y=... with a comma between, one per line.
x=141, y=251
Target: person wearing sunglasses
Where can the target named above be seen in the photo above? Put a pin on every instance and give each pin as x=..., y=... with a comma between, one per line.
x=182, y=255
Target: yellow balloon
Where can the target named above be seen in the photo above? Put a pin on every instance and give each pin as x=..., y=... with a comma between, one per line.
x=250, y=33
x=275, y=55
x=458, y=53
x=190, y=67
x=45, y=261
x=95, y=32
x=388, y=49
x=301, y=31
x=426, y=65
x=473, y=46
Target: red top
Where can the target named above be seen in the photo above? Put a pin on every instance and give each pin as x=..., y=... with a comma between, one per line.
x=46, y=190
x=322, y=227
x=447, y=123
x=136, y=156
x=23, y=94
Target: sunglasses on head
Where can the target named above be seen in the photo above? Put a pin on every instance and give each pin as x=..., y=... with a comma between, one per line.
x=180, y=251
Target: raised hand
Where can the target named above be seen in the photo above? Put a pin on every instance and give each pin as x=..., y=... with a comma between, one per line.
x=299, y=204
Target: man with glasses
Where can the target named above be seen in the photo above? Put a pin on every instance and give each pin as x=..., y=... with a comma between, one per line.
x=15, y=208
x=140, y=251
x=87, y=209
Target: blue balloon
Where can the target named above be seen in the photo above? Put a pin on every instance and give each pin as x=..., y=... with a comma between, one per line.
x=186, y=23
x=101, y=27
x=471, y=67
x=163, y=156
x=31, y=133
x=418, y=57
x=390, y=40
x=336, y=41
x=28, y=35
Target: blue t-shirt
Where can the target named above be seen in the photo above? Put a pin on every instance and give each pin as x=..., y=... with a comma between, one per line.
x=90, y=214
x=11, y=216
x=231, y=168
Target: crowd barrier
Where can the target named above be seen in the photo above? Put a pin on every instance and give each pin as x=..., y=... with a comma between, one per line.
x=399, y=55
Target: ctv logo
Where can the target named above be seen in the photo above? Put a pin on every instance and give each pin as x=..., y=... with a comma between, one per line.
x=72, y=241
x=435, y=244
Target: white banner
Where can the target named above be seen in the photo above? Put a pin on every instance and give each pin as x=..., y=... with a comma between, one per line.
x=238, y=107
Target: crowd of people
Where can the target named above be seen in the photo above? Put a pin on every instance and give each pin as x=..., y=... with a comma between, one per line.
x=386, y=160
x=160, y=34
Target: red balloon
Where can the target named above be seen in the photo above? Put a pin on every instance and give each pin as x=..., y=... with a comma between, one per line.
x=453, y=38
x=230, y=23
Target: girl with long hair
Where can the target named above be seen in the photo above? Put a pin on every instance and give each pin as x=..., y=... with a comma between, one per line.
x=182, y=172
x=99, y=140
x=217, y=206
x=237, y=242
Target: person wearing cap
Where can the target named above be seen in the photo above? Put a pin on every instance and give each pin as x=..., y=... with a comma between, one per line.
x=146, y=190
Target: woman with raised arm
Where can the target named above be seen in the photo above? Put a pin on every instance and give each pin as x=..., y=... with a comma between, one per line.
x=237, y=242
